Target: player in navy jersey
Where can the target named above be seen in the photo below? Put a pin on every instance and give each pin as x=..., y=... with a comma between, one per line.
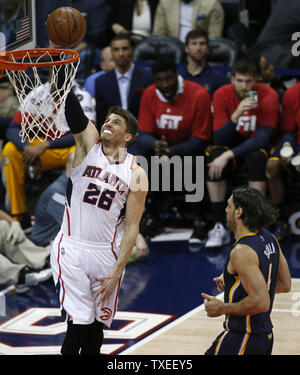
x=255, y=270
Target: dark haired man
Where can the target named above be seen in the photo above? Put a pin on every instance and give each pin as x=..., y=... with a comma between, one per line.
x=87, y=263
x=242, y=130
x=122, y=86
x=175, y=117
x=197, y=68
x=266, y=74
x=255, y=271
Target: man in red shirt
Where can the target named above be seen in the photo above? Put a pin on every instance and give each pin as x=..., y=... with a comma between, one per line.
x=242, y=131
x=174, y=117
x=279, y=169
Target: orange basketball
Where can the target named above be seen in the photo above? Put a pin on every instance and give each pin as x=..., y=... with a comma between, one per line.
x=66, y=26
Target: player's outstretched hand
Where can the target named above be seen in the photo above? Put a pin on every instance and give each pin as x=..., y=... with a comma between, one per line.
x=108, y=284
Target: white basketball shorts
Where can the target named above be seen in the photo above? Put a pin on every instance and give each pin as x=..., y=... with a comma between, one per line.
x=75, y=265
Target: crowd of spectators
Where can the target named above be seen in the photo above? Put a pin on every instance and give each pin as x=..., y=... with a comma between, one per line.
x=238, y=117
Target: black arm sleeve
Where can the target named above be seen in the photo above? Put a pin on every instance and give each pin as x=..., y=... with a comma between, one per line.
x=75, y=116
x=12, y=134
x=225, y=134
x=146, y=141
x=63, y=142
x=260, y=139
x=190, y=146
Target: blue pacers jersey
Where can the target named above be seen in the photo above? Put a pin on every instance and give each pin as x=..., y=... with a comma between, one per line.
x=267, y=248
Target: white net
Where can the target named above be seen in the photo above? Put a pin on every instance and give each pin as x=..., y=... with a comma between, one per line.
x=42, y=102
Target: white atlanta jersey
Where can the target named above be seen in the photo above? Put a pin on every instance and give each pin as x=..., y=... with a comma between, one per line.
x=87, y=245
x=96, y=193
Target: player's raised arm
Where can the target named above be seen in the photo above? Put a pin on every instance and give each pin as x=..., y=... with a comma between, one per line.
x=84, y=131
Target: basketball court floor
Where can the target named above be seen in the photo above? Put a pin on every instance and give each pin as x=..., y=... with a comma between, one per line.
x=161, y=310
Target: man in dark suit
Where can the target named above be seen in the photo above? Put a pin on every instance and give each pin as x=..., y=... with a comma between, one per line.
x=123, y=85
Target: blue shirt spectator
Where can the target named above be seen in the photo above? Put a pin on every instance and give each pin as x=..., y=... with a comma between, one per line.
x=196, y=68
x=209, y=77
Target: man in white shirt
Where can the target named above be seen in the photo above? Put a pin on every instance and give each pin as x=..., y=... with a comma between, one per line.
x=186, y=17
x=176, y=18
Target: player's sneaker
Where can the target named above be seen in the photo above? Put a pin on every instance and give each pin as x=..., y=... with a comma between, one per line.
x=218, y=236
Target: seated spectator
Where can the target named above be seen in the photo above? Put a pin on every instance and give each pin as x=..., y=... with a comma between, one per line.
x=177, y=17
x=197, y=69
x=242, y=130
x=122, y=86
x=266, y=74
x=174, y=119
x=106, y=64
x=22, y=263
x=8, y=106
x=43, y=156
x=133, y=17
x=279, y=167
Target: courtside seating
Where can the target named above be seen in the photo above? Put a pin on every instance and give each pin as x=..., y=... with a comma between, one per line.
x=222, y=51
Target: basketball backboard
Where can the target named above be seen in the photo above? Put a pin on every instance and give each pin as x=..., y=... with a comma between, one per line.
x=17, y=24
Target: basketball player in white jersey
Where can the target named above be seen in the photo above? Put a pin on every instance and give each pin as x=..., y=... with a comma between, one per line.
x=87, y=265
